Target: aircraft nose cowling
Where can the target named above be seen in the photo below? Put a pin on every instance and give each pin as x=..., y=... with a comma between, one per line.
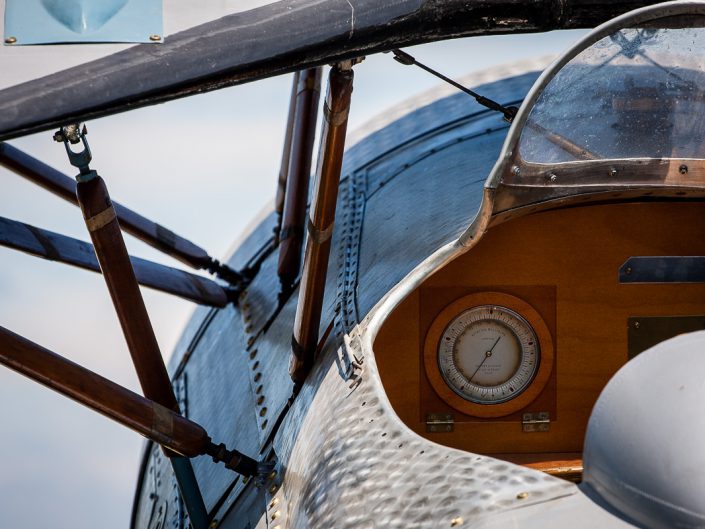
x=644, y=451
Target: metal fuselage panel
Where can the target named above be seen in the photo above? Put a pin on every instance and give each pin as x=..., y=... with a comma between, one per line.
x=343, y=454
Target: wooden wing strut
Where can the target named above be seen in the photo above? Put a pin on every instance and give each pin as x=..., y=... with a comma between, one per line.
x=57, y=247
x=291, y=236
x=320, y=221
x=133, y=223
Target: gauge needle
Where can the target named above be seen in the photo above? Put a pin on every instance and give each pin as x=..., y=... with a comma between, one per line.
x=487, y=355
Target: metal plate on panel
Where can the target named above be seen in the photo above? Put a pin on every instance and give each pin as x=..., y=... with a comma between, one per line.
x=63, y=21
x=663, y=269
x=645, y=332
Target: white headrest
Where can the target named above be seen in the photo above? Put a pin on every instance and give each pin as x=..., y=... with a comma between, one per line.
x=645, y=445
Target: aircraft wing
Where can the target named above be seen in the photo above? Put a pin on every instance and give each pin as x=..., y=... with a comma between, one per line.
x=272, y=39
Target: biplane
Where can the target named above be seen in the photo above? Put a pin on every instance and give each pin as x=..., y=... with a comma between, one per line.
x=485, y=312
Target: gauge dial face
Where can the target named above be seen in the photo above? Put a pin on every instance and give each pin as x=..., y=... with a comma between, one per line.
x=488, y=354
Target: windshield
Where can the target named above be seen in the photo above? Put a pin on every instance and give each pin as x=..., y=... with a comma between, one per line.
x=637, y=93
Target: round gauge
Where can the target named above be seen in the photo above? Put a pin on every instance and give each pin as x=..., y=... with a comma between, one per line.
x=488, y=354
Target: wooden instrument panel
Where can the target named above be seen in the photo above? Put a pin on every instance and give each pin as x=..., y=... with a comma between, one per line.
x=565, y=264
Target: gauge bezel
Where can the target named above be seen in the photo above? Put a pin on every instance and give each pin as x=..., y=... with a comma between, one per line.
x=502, y=301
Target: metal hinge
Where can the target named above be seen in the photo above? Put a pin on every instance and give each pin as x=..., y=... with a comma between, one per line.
x=536, y=422
x=440, y=422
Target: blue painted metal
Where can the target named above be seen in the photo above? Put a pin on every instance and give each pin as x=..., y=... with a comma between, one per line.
x=72, y=21
x=663, y=269
x=190, y=492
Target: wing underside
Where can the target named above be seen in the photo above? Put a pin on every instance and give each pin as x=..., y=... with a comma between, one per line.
x=269, y=40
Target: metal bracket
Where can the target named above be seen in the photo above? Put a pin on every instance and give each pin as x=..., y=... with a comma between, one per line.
x=440, y=422
x=351, y=359
x=536, y=422
x=72, y=135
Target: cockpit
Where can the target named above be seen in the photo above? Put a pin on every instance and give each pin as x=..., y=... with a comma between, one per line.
x=589, y=255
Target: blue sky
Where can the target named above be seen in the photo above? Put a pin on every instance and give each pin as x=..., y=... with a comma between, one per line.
x=204, y=167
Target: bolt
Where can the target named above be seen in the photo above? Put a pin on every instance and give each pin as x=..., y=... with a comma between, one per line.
x=155, y=38
x=516, y=171
x=628, y=271
x=683, y=169
x=637, y=325
x=613, y=172
x=552, y=177
x=10, y=40
x=522, y=495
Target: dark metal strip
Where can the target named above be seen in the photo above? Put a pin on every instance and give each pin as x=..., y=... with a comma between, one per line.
x=281, y=37
x=663, y=269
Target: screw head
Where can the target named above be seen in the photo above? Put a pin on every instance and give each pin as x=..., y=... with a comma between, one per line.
x=10, y=40
x=522, y=495
x=455, y=522
x=683, y=169
x=613, y=172
x=155, y=38
x=637, y=324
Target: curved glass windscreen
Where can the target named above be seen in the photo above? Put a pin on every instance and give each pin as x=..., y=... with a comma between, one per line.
x=638, y=93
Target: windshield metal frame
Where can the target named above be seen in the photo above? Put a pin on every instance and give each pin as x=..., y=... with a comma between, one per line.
x=504, y=165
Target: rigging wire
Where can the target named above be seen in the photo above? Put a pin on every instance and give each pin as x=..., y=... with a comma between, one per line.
x=407, y=60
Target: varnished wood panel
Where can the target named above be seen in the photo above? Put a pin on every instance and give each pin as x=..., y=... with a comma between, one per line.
x=565, y=264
